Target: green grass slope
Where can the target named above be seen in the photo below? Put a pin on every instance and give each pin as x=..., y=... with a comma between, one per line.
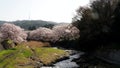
x=26, y=57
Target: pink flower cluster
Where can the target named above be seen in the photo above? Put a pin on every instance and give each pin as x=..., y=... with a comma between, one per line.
x=66, y=32
x=13, y=32
x=42, y=34
x=57, y=33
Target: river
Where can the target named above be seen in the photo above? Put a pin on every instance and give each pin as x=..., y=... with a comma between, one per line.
x=67, y=63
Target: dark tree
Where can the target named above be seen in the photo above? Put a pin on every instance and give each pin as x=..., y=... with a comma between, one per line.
x=49, y=26
x=95, y=22
x=32, y=28
x=116, y=25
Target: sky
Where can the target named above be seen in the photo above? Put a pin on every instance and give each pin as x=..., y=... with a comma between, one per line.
x=49, y=10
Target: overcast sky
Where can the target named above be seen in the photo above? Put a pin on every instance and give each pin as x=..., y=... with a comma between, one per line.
x=49, y=10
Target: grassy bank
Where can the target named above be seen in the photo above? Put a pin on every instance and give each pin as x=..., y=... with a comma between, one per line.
x=26, y=57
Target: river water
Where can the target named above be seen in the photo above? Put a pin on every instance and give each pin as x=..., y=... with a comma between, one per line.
x=68, y=63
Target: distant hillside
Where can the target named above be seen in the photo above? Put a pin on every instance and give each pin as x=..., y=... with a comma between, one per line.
x=31, y=24
x=1, y=22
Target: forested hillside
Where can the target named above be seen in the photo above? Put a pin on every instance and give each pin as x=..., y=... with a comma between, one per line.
x=32, y=24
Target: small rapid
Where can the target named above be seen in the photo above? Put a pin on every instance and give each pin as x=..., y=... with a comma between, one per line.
x=68, y=63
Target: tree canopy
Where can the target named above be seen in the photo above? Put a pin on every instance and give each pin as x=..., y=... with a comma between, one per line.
x=96, y=21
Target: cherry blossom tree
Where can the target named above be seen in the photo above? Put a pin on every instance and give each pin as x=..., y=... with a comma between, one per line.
x=66, y=32
x=42, y=34
x=58, y=33
x=12, y=32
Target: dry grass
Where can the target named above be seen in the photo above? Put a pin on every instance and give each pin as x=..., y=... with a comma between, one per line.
x=34, y=44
